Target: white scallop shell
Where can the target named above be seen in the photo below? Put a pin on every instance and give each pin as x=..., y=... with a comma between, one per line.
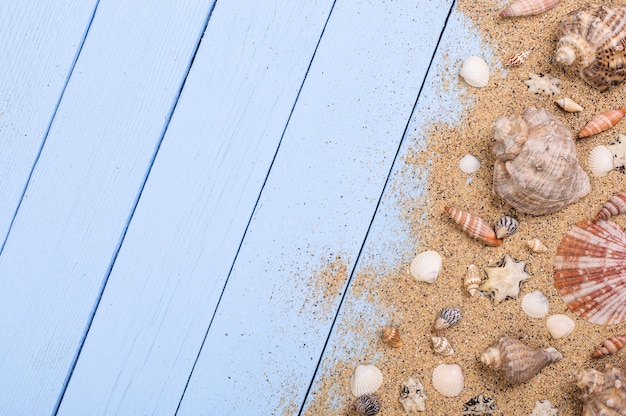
x=600, y=161
x=559, y=325
x=535, y=304
x=426, y=266
x=469, y=164
x=448, y=379
x=475, y=71
x=365, y=380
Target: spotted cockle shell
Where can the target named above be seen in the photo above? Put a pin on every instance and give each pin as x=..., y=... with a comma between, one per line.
x=472, y=279
x=569, y=105
x=426, y=266
x=602, y=393
x=442, y=346
x=474, y=226
x=517, y=58
x=504, y=279
x=535, y=304
x=447, y=317
x=589, y=272
x=536, y=169
x=366, y=380
x=542, y=83
x=506, y=226
x=544, y=408
x=516, y=361
x=368, y=405
x=610, y=346
x=560, y=326
x=475, y=71
x=480, y=405
x=592, y=41
x=528, y=8
x=391, y=336
x=536, y=246
x=602, y=122
x=448, y=379
x=616, y=205
x=412, y=396
x=469, y=164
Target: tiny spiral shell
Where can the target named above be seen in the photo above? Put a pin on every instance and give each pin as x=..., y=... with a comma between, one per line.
x=614, y=206
x=610, y=346
x=602, y=122
x=391, y=336
x=442, y=346
x=447, y=317
x=472, y=279
x=517, y=58
x=536, y=246
x=528, y=8
x=506, y=226
x=569, y=105
x=367, y=405
x=474, y=226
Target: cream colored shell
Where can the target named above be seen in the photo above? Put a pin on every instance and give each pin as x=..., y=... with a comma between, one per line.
x=366, y=380
x=535, y=304
x=469, y=164
x=560, y=325
x=448, y=379
x=426, y=266
x=475, y=71
x=600, y=161
x=569, y=105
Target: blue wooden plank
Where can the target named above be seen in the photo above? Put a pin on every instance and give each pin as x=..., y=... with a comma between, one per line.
x=40, y=41
x=274, y=317
x=83, y=190
x=191, y=217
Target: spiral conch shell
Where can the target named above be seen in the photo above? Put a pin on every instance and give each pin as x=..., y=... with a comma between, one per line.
x=517, y=362
x=610, y=346
x=593, y=40
x=391, y=336
x=472, y=279
x=602, y=393
x=616, y=205
x=536, y=169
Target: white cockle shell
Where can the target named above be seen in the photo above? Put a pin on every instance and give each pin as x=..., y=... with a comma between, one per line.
x=475, y=71
x=535, y=304
x=426, y=266
x=448, y=379
x=469, y=164
x=600, y=161
x=560, y=325
x=366, y=380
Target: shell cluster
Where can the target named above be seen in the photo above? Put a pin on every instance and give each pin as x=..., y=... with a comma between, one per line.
x=602, y=393
x=412, y=396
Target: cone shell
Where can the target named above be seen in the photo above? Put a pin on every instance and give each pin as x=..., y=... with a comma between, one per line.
x=600, y=161
x=426, y=266
x=506, y=226
x=602, y=393
x=367, y=405
x=448, y=379
x=602, y=122
x=536, y=246
x=447, y=317
x=589, y=272
x=442, y=346
x=475, y=71
x=535, y=304
x=569, y=105
x=610, y=346
x=528, y=7
x=366, y=380
x=474, y=226
x=560, y=326
x=391, y=336
x=517, y=362
x=472, y=280
x=614, y=206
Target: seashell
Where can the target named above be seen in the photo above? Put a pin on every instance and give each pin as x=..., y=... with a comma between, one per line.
x=569, y=105
x=448, y=379
x=472, y=279
x=442, y=346
x=614, y=206
x=505, y=278
x=560, y=326
x=479, y=405
x=447, y=317
x=592, y=39
x=368, y=405
x=426, y=266
x=536, y=246
x=589, y=274
x=536, y=169
x=412, y=396
x=528, y=8
x=602, y=122
x=469, y=164
x=473, y=225
x=391, y=336
x=602, y=393
x=541, y=83
x=544, y=408
x=517, y=362
x=610, y=346
x=365, y=380
x=517, y=58
x=600, y=161
x=535, y=304
x=506, y=226
x=475, y=71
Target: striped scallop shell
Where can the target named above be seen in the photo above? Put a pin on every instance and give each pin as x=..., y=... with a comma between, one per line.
x=475, y=226
x=448, y=379
x=610, y=346
x=528, y=7
x=366, y=380
x=602, y=122
x=614, y=206
x=589, y=271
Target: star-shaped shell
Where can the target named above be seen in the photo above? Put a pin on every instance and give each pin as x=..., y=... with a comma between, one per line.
x=505, y=279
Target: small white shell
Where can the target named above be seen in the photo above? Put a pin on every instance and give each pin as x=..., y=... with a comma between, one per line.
x=475, y=71
x=535, y=304
x=600, y=161
x=365, y=380
x=442, y=346
x=536, y=246
x=448, y=379
x=559, y=325
x=469, y=164
x=569, y=105
x=472, y=280
x=426, y=266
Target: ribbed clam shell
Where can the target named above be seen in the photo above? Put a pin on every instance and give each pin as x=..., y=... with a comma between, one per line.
x=536, y=246
x=366, y=380
x=589, y=272
x=600, y=161
x=528, y=7
x=448, y=379
x=426, y=266
x=475, y=71
x=447, y=317
x=535, y=304
x=569, y=105
x=560, y=326
x=517, y=58
x=442, y=346
x=472, y=279
x=391, y=336
x=367, y=405
x=469, y=164
x=602, y=122
x=610, y=346
x=516, y=361
x=474, y=226
x=602, y=393
x=506, y=226
x=616, y=205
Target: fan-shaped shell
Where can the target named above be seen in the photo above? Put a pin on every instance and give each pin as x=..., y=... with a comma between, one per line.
x=365, y=380
x=600, y=161
x=602, y=122
x=616, y=205
x=426, y=266
x=610, y=346
x=536, y=169
x=391, y=336
x=602, y=393
x=560, y=325
x=475, y=71
x=469, y=164
x=474, y=226
x=448, y=379
x=589, y=272
x=528, y=8
x=535, y=304
x=593, y=40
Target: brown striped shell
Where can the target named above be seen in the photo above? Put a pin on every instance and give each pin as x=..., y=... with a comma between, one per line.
x=602, y=122
x=517, y=58
x=473, y=225
x=589, y=271
x=610, y=346
x=614, y=206
x=602, y=393
x=391, y=336
x=528, y=7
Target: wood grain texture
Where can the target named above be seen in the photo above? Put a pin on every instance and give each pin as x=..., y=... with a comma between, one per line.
x=274, y=317
x=191, y=217
x=84, y=188
x=40, y=41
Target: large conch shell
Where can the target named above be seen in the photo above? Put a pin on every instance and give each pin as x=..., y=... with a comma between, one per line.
x=602, y=393
x=517, y=361
x=536, y=169
x=589, y=272
x=593, y=40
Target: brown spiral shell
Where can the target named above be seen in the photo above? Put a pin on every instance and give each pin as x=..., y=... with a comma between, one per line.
x=474, y=226
x=602, y=122
x=391, y=336
x=602, y=393
x=614, y=206
x=610, y=346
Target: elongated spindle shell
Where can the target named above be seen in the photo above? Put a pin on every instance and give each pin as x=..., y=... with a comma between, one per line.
x=602, y=122
x=528, y=8
x=610, y=346
x=474, y=226
x=614, y=206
